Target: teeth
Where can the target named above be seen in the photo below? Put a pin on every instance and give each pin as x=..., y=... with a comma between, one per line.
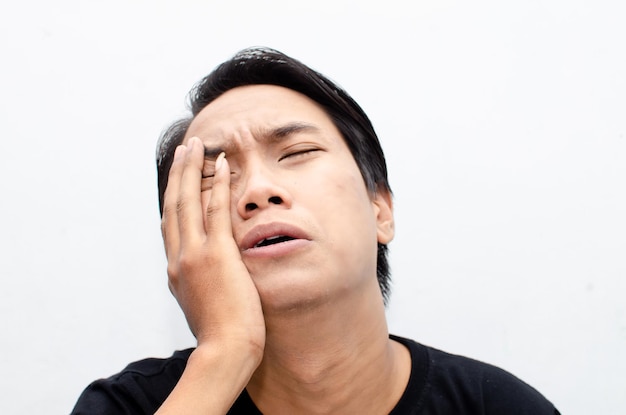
x=272, y=239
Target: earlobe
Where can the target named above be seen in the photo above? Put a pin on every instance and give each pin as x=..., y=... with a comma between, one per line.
x=383, y=208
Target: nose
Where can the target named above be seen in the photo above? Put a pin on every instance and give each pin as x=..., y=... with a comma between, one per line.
x=261, y=189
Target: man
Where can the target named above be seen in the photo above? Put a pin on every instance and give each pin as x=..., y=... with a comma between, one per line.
x=276, y=213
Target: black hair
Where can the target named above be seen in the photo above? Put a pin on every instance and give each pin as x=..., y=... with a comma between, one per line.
x=254, y=66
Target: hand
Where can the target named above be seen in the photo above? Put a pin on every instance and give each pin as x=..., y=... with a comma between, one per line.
x=205, y=269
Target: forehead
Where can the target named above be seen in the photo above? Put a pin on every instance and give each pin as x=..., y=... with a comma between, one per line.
x=254, y=109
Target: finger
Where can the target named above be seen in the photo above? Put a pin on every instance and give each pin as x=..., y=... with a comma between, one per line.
x=217, y=214
x=169, y=220
x=189, y=206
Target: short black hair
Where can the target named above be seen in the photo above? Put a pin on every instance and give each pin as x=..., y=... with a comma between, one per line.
x=265, y=66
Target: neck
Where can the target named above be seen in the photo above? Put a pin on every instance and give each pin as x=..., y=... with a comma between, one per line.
x=331, y=359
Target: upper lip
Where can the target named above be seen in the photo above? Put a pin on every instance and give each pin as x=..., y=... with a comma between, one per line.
x=260, y=232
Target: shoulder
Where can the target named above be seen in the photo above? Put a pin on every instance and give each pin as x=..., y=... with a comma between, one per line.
x=141, y=387
x=449, y=383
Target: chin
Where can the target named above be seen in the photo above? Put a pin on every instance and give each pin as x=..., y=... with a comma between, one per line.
x=293, y=295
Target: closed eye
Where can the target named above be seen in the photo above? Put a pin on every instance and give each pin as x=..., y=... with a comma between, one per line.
x=296, y=154
x=210, y=176
x=208, y=169
x=207, y=180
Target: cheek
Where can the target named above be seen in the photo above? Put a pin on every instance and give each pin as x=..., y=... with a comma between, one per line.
x=346, y=204
x=352, y=228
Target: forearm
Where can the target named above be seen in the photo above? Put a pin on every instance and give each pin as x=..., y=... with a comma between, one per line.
x=214, y=377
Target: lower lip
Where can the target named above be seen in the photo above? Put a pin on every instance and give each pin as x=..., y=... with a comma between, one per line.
x=277, y=250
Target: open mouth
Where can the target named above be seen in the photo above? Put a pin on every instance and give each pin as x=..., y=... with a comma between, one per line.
x=276, y=237
x=273, y=240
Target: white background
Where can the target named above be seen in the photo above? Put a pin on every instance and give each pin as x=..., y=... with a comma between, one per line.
x=504, y=126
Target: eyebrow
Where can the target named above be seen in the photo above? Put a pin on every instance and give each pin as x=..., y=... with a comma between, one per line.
x=273, y=135
x=278, y=133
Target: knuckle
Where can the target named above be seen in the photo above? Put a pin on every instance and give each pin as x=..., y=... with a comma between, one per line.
x=168, y=211
x=180, y=205
x=187, y=262
x=173, y=273
x=212, y=214
x=211, y=211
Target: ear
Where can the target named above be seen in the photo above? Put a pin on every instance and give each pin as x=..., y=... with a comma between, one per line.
x=383, y=209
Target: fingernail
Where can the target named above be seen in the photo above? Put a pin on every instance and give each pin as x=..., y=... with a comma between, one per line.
x=219, y=161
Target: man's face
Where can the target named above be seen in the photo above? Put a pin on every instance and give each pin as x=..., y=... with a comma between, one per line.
x=301, y=215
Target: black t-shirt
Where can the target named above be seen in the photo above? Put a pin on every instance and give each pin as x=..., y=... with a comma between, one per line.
x=440, y=383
